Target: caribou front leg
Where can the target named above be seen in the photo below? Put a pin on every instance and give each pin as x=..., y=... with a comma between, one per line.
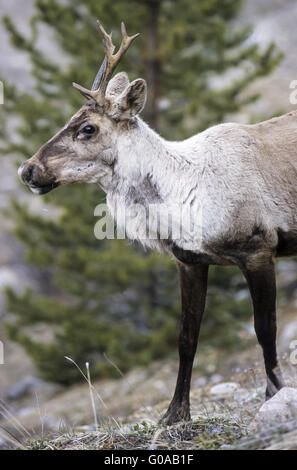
x=261, y=281
x=193, y=281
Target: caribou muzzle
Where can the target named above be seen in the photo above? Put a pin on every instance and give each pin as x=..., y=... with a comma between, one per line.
x=33, y=176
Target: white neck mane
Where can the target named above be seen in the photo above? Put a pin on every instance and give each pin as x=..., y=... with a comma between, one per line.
x=152, y=171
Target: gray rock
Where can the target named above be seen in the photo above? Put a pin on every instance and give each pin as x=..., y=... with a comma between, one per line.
x=216, y=378
x=281, y=407
x=287, y=441
x=200, y=382
x=226, y=388
x=30, y=384
x=23, y=387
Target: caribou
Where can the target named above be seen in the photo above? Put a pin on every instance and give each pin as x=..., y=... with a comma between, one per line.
x=239, y=182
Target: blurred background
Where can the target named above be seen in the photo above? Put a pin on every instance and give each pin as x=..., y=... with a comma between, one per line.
x=64, y=293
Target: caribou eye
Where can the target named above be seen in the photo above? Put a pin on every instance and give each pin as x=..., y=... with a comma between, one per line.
x=86, y=132
x=88, y=129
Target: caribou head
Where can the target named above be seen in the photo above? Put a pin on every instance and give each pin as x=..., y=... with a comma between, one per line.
x=85, y=148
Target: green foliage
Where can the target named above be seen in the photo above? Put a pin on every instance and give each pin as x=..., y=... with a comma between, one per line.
x=109, y=299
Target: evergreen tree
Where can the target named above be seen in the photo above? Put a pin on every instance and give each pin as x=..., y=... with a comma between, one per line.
x=111, y=299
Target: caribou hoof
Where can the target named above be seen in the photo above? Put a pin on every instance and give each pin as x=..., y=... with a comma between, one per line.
x=176, y=414
x=273, y=388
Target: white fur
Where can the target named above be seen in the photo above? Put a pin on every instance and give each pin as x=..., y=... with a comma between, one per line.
x=216, y=172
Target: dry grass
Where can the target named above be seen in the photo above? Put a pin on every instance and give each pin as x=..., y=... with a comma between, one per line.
x=204, y=433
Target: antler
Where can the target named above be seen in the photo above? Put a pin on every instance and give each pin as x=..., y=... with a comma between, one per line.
x=108, y=65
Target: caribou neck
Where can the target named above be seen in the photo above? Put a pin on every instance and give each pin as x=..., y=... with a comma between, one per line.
x=143, y=154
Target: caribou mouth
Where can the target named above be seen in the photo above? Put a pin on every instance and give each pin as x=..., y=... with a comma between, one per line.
x=40, y=190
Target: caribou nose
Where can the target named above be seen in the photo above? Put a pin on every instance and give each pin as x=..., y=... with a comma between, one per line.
x=20, y=171
x=26, y=173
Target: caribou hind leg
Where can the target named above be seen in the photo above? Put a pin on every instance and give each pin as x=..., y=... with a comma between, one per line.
x=193, y=281
x=261, y=280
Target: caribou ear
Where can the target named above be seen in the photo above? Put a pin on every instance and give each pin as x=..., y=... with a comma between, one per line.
x=130, y=102
x=117, y=84
x=134, y=97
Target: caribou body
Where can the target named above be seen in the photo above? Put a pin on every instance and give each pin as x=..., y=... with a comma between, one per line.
x=238, y=182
